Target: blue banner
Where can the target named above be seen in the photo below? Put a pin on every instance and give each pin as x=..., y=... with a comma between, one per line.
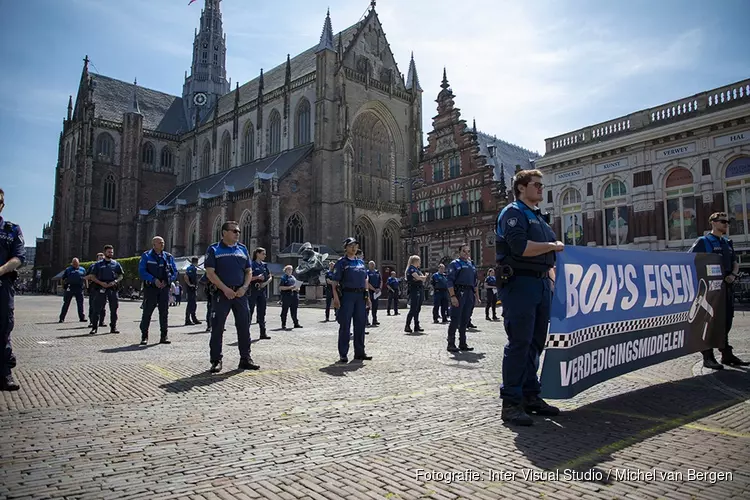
x=615, y=311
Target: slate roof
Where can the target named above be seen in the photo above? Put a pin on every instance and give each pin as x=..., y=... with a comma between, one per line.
x=161, y=112
x=239, y=178
x=301, y=65
x=508, y=155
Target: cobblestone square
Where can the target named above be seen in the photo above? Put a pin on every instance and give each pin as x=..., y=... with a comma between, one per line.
x=100, y=417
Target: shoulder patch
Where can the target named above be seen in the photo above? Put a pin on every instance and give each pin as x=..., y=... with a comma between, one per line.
x=512, y=222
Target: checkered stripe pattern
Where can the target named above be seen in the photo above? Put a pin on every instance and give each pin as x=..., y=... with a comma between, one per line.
x=566, y=340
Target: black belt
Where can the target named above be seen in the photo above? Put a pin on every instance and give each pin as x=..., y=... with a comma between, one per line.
x=360, y=290
x=234, y=287
x=529, y=273
x=463, y=287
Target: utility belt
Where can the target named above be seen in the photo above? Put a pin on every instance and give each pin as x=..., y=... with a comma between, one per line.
x=150, y=284
x=504, y=273
x=463, y=288
x=355, y=290
x=234, y=287
x=289, y=292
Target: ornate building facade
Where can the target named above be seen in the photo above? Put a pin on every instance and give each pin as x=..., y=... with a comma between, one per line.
x=461, y=187
x=308, y=151
x=649, y=180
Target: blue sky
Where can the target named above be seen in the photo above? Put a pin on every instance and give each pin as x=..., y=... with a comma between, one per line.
x=524, y=70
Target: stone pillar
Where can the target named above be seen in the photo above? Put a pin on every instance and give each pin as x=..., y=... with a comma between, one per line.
x=660, y=229
x=256, y=216
x=199, y=218
x=598, y=230
x=178, y=246
x=275, y=240
x=224, y=205
x=139, y=227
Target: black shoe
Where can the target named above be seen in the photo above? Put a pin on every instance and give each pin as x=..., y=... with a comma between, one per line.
x=495, y=319
x=446, y=321
x=515, y=414
x=389, y=313
x=452, y=348
x=8, y=384
x=538, y=406
x=247, y=364
x=215, y=366
x=165, y=340
x=93, y=331
x=376, y=323
x=61, y=321
x=263, y=336
x=82, y=320
x=407, y=329
x=471, y=326
x=436, y=321
x=101, y=323
x=363, y=357
x=189, y=323
x=397, y=314
x=465, y=348
x=488, y=318
x=326, y=320
x=208, y=328
x=144, y=341
x=298, y=326
x=732, y=360
x=418, y=329
x=196, y=322
x=368, y=324
x=342, y=361
x=712, y=363
x=114, y=330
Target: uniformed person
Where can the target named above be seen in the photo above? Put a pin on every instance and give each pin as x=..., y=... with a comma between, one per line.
x=12, y=256
x=329, y=291
x=393, y=286
x=490, y=284
x=257, y=298
x=107, y=274
x=463, y=293
x=351, y=299
x=374, y=283
x=191, y=289
x=440, y=295
x=716, y=242
x=415, y=280
x=289, y=287
x=93, y=289
x=73, y=279
x=228, y=268
x=157, y=270
x=525, y=252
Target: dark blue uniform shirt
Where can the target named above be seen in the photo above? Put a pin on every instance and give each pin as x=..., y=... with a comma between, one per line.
x=517, y=224
x=350, y=273
x=106, y=271
x=287, y=280
x=73, y=276
x=192, y=274
x=393, y=283
x=154, y=266
x=490, y=281
x=720, y=246
x=373, y=277
x=462, y=273
x=229, y=263
x=329, y=276
x=11, y=242
x=260, y=269
x=410, y=280
x=440, y=281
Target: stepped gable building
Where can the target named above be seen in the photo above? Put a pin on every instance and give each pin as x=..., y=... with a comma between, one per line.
x=649, y=180
x=461, y=185
x=308, y=151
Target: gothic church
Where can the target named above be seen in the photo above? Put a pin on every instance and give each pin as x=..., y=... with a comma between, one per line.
x=315, y=149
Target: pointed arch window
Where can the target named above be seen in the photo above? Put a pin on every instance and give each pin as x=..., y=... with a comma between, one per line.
x=205, y=160
x=302, y=123
x=165, y=162
x=105, y=147
x=225, y=159
x=248, y=143
x=389, y=245
x=109, y=195
x=572, y=217
x=192, y=237
x=373, y=159
x=147, y=156
x=246, y=226
x=295, y=231
x=188, y=169
x=216, y=231
x=615, y=214
x=360, y=234
x=274, y=133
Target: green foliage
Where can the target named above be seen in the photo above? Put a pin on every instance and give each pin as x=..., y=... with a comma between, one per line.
x=129, y=266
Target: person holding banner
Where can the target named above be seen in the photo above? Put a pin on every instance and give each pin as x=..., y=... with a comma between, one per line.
x=525, y=254
x=716, y=242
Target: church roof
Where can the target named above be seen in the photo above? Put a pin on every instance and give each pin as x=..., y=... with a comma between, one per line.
x=508, y=155
x=301, y=65
x=161, y=112
x=238, y=178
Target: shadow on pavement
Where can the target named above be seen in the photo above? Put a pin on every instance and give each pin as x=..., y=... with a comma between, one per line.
x=83, y=335
x=337, y=370
x=202, y=379
x=469, y=357
x=582, y=438
x=127, y=348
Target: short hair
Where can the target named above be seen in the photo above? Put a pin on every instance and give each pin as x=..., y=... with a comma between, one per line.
x=717, y=215
x=225, y=226
x=194, y=260
x=523, y=178
x=464, y=244
x=100, y=253
x=288, y=267
x=257, y=251
x=108, y=247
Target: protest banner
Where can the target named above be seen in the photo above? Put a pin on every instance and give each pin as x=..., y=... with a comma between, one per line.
x=616, y=311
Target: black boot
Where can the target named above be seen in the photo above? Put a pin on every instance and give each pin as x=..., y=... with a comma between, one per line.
x=264, y=336
x=113, y=329
x=215, y=366
x=728, y=358
x=709, y=361
x=515, y=414
x=8, y=384
x=144, y=339
x=538, y=406
x=247, y=364
x=452, y=348
x=164, y=339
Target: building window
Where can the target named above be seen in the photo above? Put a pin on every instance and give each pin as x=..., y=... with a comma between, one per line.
x=572, y=218
x=424, y=206
x=388, y=245
x=440, y=209
x=205, y=56
x=360, y=234
x=682, y=223
x=166, y=160
x=216, y=58
x=437, y=171
x=475, y=247
x=372, y=153
x=109, y=196
x=455, y=166
x=225, y=158
x=216, y=231
x=615, y=214
x=475, y=201
x=295, y=232
x=302, y=121
x=737, y=193
x=246, y=226
x=274, y=133
x=192, y=238
x=147, y=156
x=105, y=147
x=188, y=172
x=424, y=253
x=248, y=144
x=205, y=160
x=456, y=204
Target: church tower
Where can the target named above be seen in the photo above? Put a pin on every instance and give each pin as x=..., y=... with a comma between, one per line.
x=208, y=75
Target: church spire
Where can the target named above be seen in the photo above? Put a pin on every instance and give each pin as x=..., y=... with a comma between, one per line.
x=326, y=37
x=70, y=107
x=134, y=107
x=412, y=80
x=444, y=85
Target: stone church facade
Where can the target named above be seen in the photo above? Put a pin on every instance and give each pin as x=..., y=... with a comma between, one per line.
x=311, y=150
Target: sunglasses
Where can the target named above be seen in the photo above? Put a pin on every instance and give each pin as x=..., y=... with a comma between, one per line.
x=235, y=231
x=723, y=221
x=537, y=185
